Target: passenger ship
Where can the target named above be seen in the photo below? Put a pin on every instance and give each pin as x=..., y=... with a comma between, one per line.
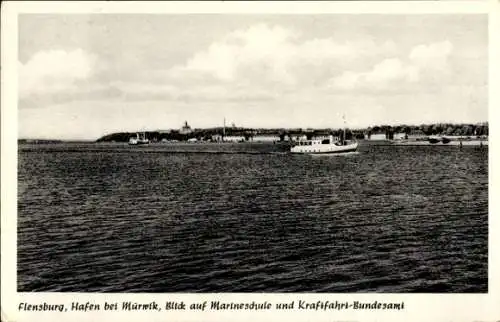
x=325, y=146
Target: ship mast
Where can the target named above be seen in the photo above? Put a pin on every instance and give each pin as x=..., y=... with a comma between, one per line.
x=224, y=130
x=343, y=137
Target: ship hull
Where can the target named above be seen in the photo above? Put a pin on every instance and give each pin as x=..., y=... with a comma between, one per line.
x=337, y=152
x=324, y=148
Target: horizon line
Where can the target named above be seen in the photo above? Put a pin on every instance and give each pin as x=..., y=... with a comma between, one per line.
x=252, y=127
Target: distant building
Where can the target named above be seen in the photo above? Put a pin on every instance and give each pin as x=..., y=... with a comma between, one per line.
x=377, y=137
x=298, y=137
x=185, y=129
x=234, y=138
x=400, y=136
x=266, y=138
x=217, y=138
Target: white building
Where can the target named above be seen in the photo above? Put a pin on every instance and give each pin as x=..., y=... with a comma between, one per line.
x=298, y=137
x=234, y=138
x=185, y=129
x=399, y=136
x=217, y=138
x=266, y=138
x=377, y=137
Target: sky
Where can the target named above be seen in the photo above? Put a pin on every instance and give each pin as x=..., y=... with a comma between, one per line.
x=82, y=76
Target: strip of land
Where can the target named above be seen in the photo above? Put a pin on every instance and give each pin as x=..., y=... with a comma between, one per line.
x=468, y=134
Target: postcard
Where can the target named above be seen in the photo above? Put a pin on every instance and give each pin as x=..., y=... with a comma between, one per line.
x=221, y=161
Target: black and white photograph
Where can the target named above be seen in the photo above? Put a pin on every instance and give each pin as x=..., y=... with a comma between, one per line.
x=224, y=153
x=253, y=153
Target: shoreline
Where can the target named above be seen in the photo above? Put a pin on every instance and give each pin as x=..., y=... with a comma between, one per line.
x=454, y=143
x=254, y=143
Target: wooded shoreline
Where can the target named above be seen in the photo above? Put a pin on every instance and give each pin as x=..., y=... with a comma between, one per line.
x=281, y=134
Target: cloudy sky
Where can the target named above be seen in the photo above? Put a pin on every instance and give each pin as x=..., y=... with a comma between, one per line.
x=82, y=76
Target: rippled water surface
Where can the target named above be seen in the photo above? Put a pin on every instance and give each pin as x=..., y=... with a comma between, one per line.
x=110, y=218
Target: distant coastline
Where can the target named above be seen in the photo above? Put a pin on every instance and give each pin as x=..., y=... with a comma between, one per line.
x=50, y=141
x=463, y=131
x=241, y=134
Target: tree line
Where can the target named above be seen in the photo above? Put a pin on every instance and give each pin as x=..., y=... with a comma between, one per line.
x=448, y=129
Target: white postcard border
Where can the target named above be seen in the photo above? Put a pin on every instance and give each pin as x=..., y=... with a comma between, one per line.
x=426, y=307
